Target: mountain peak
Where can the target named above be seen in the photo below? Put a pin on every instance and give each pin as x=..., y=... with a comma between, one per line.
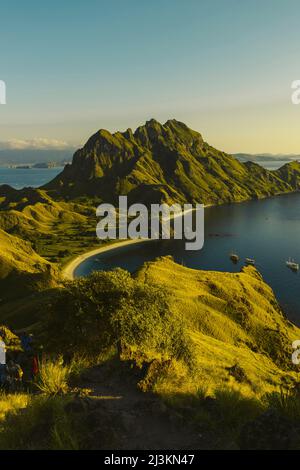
x=166, y=163
x=174, y=122
x=153, y=123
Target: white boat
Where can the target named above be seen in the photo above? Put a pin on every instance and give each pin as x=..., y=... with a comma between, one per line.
x=250, y=261
x=292, y=265
x=234, y=257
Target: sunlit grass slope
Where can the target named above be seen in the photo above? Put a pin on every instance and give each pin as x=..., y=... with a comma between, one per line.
x=214, y=347
x=29, y=210
x=56, y=229
x=237, y=333
x=22, y=270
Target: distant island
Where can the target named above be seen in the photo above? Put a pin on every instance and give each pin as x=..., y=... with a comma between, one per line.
x=40, y=165
x=48, y=165
x=266, y=157
x=32, y=156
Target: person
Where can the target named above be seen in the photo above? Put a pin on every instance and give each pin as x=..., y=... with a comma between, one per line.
x=26, y=342
x=35, y=367
x=14, y=376
x=3, y=375
x=3, y=368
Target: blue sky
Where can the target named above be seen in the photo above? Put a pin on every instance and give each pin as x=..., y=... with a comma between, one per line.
x=224, y=67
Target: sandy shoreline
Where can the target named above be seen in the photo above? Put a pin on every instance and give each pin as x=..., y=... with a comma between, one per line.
x=69, y=270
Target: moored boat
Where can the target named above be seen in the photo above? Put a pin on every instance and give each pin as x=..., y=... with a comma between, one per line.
x=234, y=257
x=292, y=265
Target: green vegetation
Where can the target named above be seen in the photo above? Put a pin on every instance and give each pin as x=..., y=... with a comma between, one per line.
x=187, y=327
x=55, y=375
x=10, y=404
x=57, y=230
x=110, y=309
x=22, y=271
x=237, y=332
x=206, y=354
x=45, y=424
x=214, y=348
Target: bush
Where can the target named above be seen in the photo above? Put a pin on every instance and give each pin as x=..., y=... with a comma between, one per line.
x=53, y=377
x=111, y=308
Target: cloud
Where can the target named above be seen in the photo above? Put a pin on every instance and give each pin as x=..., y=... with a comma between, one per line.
x=34, y=144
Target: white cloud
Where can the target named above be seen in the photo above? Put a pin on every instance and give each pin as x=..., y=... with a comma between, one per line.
x=34, y=144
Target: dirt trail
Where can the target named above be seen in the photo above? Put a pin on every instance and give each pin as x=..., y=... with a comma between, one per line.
x=121, y=415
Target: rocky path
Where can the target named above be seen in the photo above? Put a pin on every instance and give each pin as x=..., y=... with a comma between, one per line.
x=120, y=416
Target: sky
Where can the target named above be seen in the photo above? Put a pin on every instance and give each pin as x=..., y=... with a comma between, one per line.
x=224, y=67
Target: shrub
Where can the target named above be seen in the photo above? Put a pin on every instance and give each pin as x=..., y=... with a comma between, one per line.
x=111, y=308
x=53, y=377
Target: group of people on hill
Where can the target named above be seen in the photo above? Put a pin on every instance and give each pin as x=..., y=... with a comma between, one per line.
x=21, y=367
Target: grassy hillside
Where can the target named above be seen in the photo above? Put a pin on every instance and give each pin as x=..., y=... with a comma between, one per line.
x=186, y=327
x=237, y=332
x=290, y=173
x=56, y=229
x=214, y=348
x=170, y=163
x=37, y=235
x=22, y=271
x=31, y=209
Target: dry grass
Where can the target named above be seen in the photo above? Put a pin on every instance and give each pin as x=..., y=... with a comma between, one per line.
x=12, y=403
x=229, y=319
